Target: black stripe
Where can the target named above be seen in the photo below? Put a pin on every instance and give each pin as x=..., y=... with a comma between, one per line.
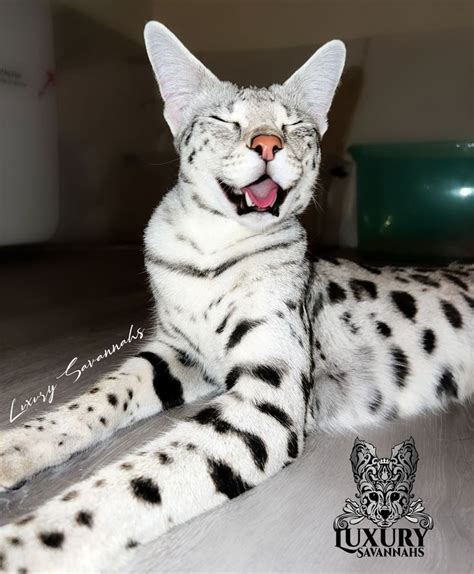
x=267, y=374
x=232, y=377
x=370, y=269
x=452, y=314
x=167, y=387
x=469, y=300
x=227, y=481
x=456, y=281
x=212, y=416
x=212, y=272
x=292, y=447
x=240, y=331
x=447, y=385
x=400, y=365
x=197, y=200
x=222, y=326
x=276, y=413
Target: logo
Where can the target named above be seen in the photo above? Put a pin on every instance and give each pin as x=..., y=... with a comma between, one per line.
x=384, y=496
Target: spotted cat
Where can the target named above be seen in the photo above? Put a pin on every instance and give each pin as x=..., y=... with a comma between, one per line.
x=290, y=346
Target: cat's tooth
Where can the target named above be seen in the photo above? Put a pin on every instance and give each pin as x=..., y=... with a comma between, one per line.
x=249, y=202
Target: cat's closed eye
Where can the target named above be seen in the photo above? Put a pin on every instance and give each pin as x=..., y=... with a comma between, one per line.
x=217, y=118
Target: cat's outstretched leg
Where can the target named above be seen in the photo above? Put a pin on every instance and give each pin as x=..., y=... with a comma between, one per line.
x=234, y=442
x=157, y=378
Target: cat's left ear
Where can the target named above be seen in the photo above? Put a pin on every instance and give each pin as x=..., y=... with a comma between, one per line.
x=316, y=81
x=180, y=75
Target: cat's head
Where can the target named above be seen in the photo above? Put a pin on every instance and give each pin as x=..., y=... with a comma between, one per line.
x=253, y=154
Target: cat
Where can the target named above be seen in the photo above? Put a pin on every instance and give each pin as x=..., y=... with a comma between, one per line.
x=289, y=346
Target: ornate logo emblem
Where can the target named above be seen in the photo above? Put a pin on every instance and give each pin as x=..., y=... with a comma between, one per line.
x=384, y=495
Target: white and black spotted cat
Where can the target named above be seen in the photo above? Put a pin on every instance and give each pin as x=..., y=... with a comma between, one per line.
x=291, y=345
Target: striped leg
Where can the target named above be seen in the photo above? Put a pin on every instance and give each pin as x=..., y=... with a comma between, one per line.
x=158, y=378
x=236, y=441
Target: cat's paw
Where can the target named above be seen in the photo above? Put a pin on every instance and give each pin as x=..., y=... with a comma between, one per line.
x=19, y=458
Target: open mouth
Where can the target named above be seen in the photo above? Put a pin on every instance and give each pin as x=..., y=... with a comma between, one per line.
x=262, y=196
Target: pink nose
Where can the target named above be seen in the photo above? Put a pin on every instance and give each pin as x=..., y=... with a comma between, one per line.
x=266, y=146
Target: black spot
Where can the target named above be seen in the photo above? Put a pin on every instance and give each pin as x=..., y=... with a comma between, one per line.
x=452, y=314
x=226, y=480
x=131, y=544
x=130, y=394
x=185, y=359
x=292, y=448
x=383, y=329
x=125, y=406
x=164, y=458
x=190, y=446
x=167, y=387
x=94, y=390
x=376, y=402
x=112, y=399
x=52, y=539
x=85, y=518
x=60, y=443
x=90, y=409
x=191, y=156
x=428, y=341
x=25, y=520
x=103, y=420
x=126, y=465
x=15, y=541
x=99, y=483
x=405, y=303
x=447, y=385
x=362, y=289
x=71, y=495
x=41, y=428
x=73, y=407
x=336, y=293
x=400, y=365
x=240, y=331
x=456, y=280
x=392, y=414
x=146, y=489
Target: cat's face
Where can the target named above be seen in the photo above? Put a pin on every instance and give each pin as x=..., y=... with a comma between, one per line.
x=251, y=154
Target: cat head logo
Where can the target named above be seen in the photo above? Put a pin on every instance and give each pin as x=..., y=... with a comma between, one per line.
x=384, y=487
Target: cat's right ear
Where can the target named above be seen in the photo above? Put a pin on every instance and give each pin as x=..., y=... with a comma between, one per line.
x=179, y=74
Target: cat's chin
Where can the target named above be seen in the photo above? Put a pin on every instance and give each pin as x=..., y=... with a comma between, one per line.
x=249, y=200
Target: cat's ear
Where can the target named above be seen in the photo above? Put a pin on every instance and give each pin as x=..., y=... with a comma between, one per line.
x=316, y=81
x=179, y=74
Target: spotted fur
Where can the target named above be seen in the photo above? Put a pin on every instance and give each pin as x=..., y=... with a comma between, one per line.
x=288, y=345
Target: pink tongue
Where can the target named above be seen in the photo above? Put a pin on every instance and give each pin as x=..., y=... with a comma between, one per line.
x=263, y=194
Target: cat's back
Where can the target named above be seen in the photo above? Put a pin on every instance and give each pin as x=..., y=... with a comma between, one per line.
x=394, y=327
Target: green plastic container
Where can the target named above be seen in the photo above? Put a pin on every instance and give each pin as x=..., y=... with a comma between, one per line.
x=416, y=199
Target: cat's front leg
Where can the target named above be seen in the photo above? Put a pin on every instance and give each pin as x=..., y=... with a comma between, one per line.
x=230, y=445
x=157, y=378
